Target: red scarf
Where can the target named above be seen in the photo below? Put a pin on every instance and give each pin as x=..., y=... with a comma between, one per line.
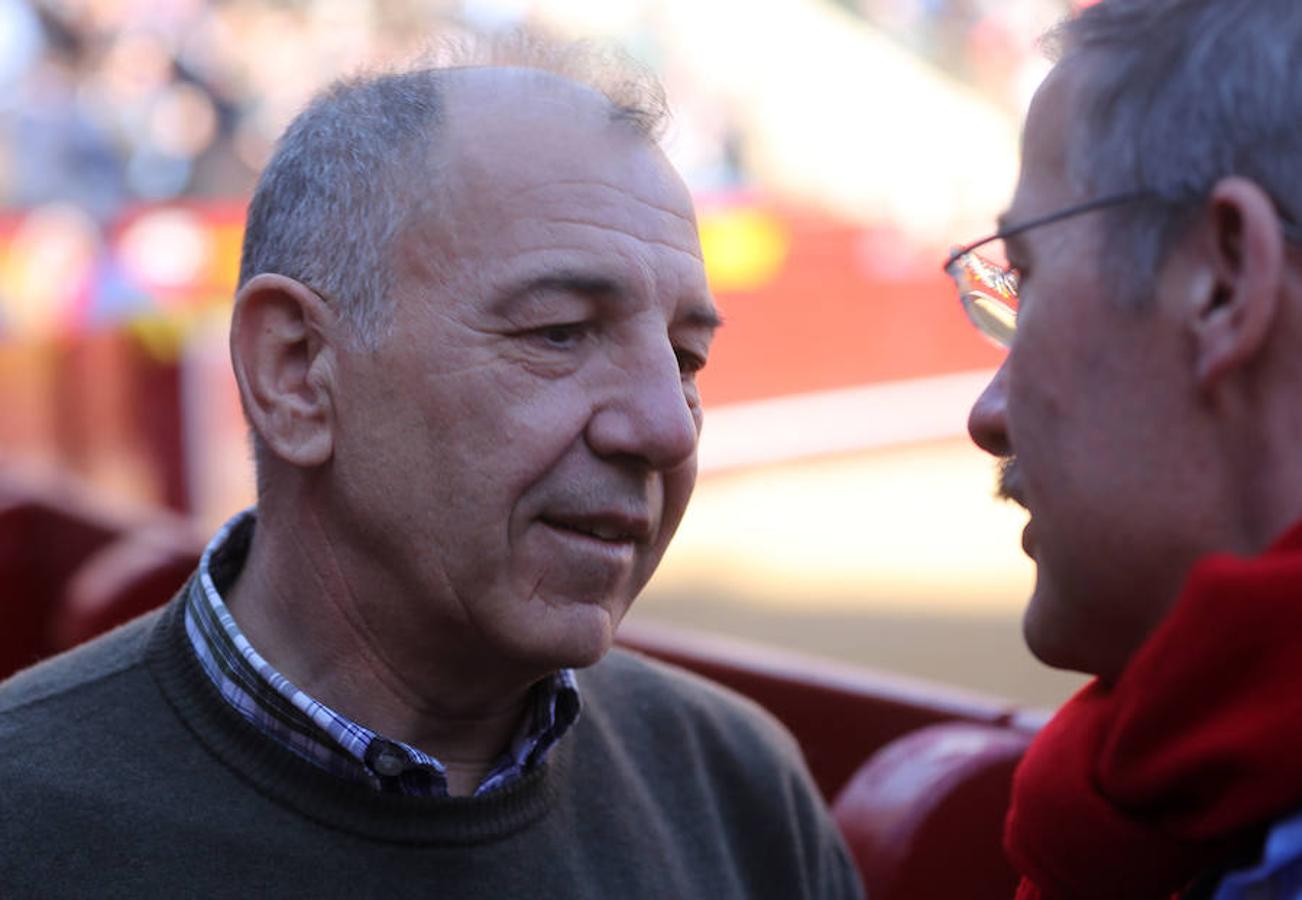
x=1131, y=792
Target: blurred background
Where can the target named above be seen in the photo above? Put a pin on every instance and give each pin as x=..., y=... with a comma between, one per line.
x=836, y=148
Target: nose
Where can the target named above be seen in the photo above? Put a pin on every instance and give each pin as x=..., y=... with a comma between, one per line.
x=648, y=413
x=987, y=423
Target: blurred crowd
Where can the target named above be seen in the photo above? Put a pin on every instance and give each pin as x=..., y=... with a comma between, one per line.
x=111, y=102
x=108, y=102
x=988, y=44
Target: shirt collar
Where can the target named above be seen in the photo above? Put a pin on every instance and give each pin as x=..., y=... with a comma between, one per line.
x=318, y=734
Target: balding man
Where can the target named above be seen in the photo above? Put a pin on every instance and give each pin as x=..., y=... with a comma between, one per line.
x=470, y=317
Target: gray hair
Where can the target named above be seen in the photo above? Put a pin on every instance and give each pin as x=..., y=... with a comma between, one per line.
x=1179, y=94
x=335, y=193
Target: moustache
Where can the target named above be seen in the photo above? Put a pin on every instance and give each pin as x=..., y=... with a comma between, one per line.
x=1009, y=483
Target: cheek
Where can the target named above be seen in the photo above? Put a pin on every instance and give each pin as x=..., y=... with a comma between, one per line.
x=678, y=488
x=1040, y=420
x=542, y=430
x=519, y=430
x=1025, y=385
x=1044, y=373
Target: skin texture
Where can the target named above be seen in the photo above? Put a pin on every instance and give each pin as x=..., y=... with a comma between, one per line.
x=427, y=552
x=1138, y=440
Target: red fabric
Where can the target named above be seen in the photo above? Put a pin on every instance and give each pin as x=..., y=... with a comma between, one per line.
x=1131, y=791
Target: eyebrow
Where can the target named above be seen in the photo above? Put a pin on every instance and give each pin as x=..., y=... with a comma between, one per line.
x=585, y=284
x=594, y=286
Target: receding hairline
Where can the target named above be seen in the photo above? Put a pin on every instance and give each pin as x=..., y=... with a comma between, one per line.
x=464, y=85
x=516, y=98
x=517, y=88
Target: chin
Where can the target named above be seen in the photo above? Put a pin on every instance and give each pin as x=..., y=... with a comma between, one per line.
x=575, y=639
x=1080, y=630
x=1048, y=633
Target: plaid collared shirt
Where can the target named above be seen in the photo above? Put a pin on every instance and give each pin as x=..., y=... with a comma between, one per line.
x=317, y=733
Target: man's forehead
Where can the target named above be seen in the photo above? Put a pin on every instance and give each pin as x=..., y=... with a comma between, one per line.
x=510, y=130
x=533, y=169
x=517, y=138
x=1044, y=182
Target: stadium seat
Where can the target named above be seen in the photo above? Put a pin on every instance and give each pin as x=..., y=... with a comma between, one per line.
x=840, y=713
x=73, y=565
x=130, y=575
x=45, y=534
x=924, y=815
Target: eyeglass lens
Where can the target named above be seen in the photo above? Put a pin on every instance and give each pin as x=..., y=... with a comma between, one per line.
x=988, y=291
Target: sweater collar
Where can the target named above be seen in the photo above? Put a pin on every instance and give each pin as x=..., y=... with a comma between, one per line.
x=287, y=779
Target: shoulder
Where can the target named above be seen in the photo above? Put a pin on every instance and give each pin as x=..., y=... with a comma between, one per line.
x=66, y=724
x=77, y=677
x=709, y=755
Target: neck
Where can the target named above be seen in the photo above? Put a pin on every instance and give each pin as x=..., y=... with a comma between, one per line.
x=296, y=610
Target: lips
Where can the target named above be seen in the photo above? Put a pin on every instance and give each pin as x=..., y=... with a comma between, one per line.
x=610, y=527
x=1010, y=488
x=1028, y=541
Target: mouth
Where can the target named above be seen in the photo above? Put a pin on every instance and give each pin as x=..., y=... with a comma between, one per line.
x=1028, y=540
x=1010, y=488
x=614, y=529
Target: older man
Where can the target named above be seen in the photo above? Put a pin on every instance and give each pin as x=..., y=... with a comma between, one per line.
x=1148, y=415
x=470, y=319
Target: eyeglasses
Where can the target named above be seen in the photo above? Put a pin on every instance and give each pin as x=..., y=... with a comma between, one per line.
x=988, y=290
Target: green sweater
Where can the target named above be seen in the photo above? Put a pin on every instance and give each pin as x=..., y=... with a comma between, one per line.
x=124, y=774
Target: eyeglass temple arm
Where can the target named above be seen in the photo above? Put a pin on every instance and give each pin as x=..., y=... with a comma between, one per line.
x=1109, y=200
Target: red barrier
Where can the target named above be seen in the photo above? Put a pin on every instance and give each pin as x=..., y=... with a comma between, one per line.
x=918, y=774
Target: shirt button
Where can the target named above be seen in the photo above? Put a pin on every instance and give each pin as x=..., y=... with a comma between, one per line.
x=385, y=759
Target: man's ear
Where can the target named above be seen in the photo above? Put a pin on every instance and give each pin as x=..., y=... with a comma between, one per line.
x=281, y=350
x=1235, y=303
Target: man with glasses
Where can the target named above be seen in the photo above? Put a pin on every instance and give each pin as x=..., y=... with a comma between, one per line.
x=1148, y=416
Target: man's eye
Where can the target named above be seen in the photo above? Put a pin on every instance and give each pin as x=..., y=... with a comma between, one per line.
x=563, y=336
